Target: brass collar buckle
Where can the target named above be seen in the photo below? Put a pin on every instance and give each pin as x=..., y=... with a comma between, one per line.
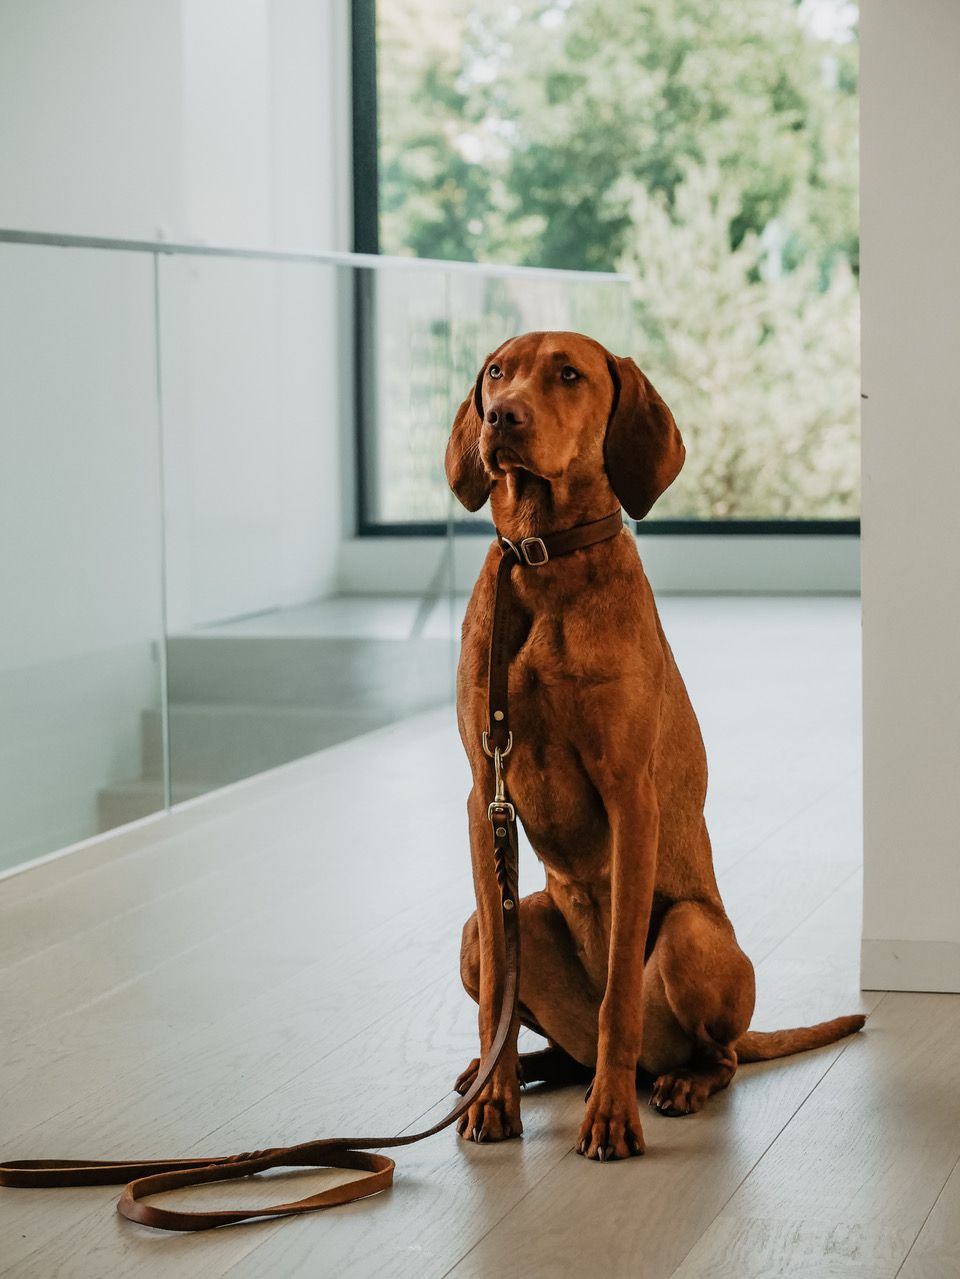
x=532, y=550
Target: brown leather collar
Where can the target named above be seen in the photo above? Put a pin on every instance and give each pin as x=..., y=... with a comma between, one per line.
x=536, y=551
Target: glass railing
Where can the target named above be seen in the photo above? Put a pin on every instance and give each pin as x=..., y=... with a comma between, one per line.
x=185, y=433
x=430, y=327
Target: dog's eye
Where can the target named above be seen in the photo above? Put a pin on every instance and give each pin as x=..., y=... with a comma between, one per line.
x=569, y=373
x=495, y=371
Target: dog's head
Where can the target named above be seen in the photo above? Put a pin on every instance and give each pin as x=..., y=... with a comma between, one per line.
x=560, y=406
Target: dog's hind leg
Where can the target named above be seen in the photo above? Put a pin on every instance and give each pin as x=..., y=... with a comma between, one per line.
x=699, y=988
x=554, y=1067
x=556, y=997
x=550, y=1066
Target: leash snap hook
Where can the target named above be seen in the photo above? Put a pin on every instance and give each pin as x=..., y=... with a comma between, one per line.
x=500, y=803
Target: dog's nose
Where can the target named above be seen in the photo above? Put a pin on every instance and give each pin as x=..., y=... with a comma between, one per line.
x=506, y=414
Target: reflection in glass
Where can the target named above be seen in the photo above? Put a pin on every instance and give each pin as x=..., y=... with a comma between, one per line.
x=81, y=732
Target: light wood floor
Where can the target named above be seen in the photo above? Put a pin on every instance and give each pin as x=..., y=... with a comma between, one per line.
x=241, y=974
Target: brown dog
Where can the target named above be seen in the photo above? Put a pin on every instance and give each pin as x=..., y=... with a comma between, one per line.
x=629, y=960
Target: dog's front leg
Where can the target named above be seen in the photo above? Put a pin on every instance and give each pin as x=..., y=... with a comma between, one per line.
x=495, y=1115
x=611, y=1126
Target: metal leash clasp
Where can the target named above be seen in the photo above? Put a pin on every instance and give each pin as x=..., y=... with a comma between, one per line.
x=502, y=814
x=485, y=741
x=499, y=803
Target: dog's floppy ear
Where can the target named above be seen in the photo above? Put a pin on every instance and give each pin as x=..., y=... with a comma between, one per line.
x=642, y=449
x=466, y=474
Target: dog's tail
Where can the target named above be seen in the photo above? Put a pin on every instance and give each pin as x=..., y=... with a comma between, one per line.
x=764, y=1045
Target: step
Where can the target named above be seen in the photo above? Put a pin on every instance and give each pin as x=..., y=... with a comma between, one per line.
x=399, y=677
x=215, y=743
x=127, y=801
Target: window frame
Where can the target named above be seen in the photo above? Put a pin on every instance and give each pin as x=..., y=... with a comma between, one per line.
x=366, y=239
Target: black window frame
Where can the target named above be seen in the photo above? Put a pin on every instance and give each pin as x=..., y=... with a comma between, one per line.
x=366, y=239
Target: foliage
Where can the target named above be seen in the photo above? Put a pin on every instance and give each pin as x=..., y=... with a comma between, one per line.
x=707, y=147
x=761, y=373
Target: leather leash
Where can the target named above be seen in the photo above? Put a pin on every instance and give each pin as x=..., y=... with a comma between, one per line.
x=154, y=1176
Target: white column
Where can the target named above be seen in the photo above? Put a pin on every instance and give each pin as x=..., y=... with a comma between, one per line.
x=910, y=201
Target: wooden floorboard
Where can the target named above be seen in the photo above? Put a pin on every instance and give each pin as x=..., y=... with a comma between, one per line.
x=53, y=903
x=936, y=1250
x=279, y=961
x=643, y=1216
x=853, y=1176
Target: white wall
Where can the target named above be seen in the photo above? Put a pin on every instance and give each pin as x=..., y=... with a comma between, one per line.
x=910, y=200
x=197, y=120
x=265, y=113
x=91, y=116
x=211, y=120
x=219, y=121
x=252, y=354
x=251, y=370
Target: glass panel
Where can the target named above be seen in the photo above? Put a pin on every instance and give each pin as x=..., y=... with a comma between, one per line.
x=431, y=329
x=486, y=310
x=81, y=733
x=406, y=327
x=188, y=603
x=268, y=658
x=719, y=172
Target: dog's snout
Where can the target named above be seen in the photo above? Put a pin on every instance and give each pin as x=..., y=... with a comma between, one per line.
x=506, y=414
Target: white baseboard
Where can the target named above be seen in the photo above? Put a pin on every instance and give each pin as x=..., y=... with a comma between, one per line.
x=751, y=563
x=695, y=563
x=117, y=832
x=888, y=964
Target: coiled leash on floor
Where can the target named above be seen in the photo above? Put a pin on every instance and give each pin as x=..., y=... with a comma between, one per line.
x=154, y=1176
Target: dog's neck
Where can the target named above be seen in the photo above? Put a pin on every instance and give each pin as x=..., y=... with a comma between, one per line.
x=526, y=505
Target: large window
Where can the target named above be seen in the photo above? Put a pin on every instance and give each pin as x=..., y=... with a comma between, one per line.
x=708, y=149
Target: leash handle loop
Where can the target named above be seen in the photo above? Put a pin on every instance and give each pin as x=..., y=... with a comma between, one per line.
x=144, y=1177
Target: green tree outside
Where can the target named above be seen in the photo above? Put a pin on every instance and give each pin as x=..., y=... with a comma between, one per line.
x=706, y=147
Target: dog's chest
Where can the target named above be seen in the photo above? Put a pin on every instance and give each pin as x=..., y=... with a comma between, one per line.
x=558, y=807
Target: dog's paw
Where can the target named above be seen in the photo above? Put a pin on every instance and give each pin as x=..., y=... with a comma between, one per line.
x=679, y=1094
x=494, y=1116
x=611, y=1126
x=465, y=1078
